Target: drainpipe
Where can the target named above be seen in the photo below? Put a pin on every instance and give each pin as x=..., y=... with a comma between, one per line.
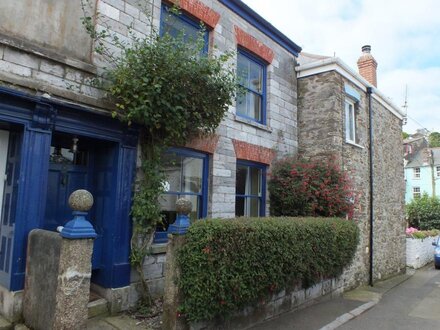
x=370, y=121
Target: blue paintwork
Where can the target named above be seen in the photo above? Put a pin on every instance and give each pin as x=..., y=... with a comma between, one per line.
x=263, y=64
x=78, y=227
x=437, y=253
x=263, y=168
x=7, y=222
x=249, y=15
x=162, y=236
x=353, y=93
x=186, y=20
x=180, y=226
x=36, y=118
x=424, y=182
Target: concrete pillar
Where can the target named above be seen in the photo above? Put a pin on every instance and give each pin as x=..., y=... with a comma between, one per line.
x=57, y=284
x=58, y=271
x=172, y=294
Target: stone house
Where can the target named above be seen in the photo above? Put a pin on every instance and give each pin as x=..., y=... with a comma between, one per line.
x=57, y=135
x=342, y=114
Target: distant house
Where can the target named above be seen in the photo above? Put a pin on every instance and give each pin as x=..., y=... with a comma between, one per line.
x=422, y=173
x=335, y=108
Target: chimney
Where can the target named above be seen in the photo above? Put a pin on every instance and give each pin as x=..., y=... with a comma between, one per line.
x=367, y=65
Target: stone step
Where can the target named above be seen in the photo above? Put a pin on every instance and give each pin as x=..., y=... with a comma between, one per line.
x=5, y=325
x=97, y=307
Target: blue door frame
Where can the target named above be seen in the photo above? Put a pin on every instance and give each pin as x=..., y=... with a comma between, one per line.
x=38, y=117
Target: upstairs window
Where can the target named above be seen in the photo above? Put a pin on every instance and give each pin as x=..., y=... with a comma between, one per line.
x=251, y=100
x=437, y=169
x=416, y=172
x=250, y=200
x=182, y=25
x=350, y=121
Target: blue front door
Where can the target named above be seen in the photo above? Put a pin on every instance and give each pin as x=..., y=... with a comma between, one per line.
x=73, y=167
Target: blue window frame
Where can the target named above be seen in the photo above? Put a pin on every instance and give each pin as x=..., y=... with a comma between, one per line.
x=251, y=100
x=182, y=25
x=250, y=189
x=187, y=176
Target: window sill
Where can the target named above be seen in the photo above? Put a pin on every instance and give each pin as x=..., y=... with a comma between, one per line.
x=253, y=123
x=354, y=144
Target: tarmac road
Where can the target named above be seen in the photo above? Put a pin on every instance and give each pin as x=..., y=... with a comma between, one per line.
x=414, y=304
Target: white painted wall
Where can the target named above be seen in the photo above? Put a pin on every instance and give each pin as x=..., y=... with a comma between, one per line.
x=419, y=252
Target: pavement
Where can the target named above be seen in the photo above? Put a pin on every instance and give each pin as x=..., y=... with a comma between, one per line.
x=333, y=313
x=326, y=315
x=408, y=301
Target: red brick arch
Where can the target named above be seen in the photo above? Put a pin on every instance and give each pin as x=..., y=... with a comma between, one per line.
x=253, y=152
x=199, y=10
x=250, y=43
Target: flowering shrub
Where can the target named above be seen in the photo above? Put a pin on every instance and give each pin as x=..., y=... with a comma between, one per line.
x=409, y=231
x=420, y=234
x=299, y=187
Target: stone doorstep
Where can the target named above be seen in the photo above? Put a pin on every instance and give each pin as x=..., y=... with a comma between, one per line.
x=98, y=307
x=5, y=325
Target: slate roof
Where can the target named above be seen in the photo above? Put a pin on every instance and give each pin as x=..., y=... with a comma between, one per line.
x=417, y=160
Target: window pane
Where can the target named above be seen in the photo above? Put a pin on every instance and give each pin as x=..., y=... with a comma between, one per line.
x=239, y=206
x=255, y=179
x=255, y=106
x=168, y=207
x=192, y=174
x=351, y=121
x=241, y=104
x=175, y=27
x=256, y=76
x=173, y=168
x=243, y=70
x=240, y=188
x=253, y=207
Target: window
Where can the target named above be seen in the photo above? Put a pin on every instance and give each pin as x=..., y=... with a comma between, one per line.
x=416, y=192
x=437, y=169
x=416, y=172
x=350, y=121
x=181, y=25
x=187, y=176
x=250, y=189
x=251, y=101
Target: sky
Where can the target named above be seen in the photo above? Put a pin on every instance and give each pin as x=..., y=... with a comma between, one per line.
x=404, y=37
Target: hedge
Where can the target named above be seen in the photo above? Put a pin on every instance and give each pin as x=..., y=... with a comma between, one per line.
x=227, y=265
x=424, y=212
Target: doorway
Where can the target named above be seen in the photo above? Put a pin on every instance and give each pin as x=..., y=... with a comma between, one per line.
x=78, y=162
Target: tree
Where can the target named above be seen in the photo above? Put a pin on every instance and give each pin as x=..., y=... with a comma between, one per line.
x=434, y=139
x=405, y=135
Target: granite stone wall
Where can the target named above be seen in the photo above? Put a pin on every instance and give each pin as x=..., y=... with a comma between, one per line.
x=322, y=134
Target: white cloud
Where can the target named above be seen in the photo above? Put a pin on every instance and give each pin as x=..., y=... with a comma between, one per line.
x=404, y=36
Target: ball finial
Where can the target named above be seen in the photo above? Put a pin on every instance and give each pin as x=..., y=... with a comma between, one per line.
x=81, y=200
x=183, y=206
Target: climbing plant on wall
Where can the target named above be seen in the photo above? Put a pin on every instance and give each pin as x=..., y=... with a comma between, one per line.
x=173, y=92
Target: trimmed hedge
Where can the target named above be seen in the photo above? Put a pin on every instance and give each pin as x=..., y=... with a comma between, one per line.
x=227, y=265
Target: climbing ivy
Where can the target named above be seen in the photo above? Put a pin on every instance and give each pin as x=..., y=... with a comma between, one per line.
x=173, y=92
